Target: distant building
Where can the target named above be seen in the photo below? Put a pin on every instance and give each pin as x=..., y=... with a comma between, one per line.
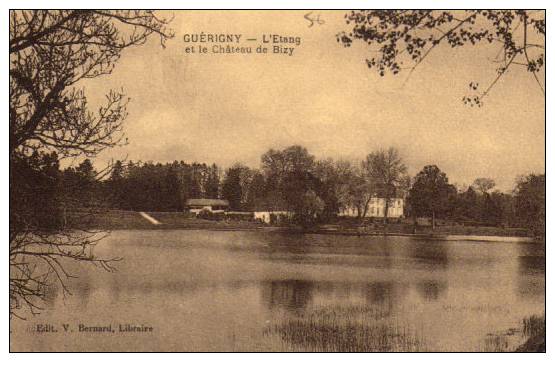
x=376, y=208
x=212, y=205
x=272, y=216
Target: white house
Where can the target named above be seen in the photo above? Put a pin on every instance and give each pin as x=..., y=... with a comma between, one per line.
x=376, y=208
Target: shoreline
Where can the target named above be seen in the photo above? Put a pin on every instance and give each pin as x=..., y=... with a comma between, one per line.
x=454, y=237
x=130, y=220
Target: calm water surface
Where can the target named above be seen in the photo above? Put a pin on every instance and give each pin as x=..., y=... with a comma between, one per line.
x=226, y=291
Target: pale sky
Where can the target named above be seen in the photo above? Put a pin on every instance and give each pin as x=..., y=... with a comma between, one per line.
x=232, y=108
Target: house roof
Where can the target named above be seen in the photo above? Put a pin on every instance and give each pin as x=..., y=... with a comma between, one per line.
x=207, y=202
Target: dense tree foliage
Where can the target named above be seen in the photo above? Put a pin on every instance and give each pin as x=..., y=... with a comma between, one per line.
x=34, y=192
x=530, y=202
x=484, y=185
x=429, y=195
x=293, y=180
x=432, y=196
x=232, y=190
x=161, y=187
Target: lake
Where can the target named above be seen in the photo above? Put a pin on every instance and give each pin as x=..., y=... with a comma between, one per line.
x=204, y=290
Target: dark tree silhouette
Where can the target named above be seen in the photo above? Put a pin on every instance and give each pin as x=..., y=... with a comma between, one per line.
x=231, y=187
x=530, y=203
x=429, y=193
x=484, y=185
x=402, y=39
x=288, y=175
x=52, y=54
x=213, y=182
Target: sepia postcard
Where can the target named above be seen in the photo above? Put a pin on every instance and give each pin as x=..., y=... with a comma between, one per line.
x=277, y=180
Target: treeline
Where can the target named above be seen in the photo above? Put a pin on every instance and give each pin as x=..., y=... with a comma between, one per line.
x=431, y=195
x=291, y=179
x=160, y=187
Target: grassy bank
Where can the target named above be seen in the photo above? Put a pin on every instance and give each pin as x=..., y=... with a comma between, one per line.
x=528, y=338
x=130, y=220
x=119, y=219
x=343, y=329
x=368, y=329
x=534, y=329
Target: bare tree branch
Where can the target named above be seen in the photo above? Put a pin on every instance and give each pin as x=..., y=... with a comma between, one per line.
x=50, y=53
x=406, y=38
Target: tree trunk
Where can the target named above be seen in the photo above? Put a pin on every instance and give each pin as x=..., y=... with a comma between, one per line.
x=365, y=209
x=386, y=210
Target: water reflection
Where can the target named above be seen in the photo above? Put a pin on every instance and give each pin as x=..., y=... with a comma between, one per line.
x=381, y=252
x=292, y=295
x=431, y=255
x=175, y=288
x=115, y=291
x=298, y=295
x=82, y=291
x=531, y=264
x=431, y=290
x=238, y=283
x=380, y=292
x=531, y=267
x=51, y=294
